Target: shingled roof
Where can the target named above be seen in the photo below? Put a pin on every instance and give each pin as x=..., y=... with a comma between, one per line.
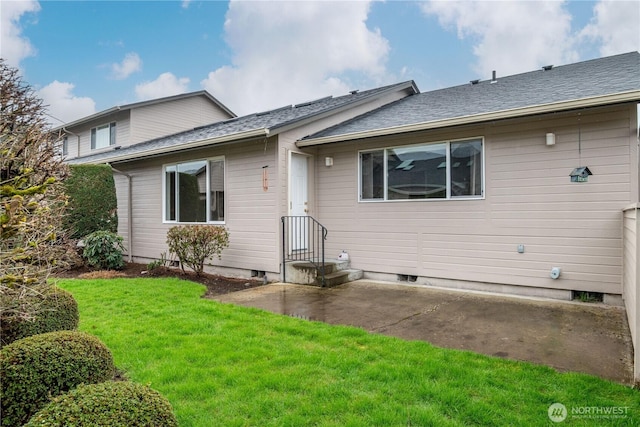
x=596, y=82
x=238, y=129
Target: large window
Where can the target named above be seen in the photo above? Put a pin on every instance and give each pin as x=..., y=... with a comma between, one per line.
x=443, y=170
x=103, y=136
x=194, y=191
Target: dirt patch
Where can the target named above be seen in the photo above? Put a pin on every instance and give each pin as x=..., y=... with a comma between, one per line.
x=216, y=285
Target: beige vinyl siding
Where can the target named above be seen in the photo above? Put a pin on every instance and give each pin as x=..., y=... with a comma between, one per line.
x=83, y=133
x=287, y=144
x=152, y=121
x=529, y=200
x=631, y=276
x=122, y=190
x=248, y=208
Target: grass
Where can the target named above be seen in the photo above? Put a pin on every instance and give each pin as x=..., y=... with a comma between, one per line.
x=233, y=366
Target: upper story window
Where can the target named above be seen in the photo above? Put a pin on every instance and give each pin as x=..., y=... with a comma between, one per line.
x=444, y=170
x=194, y=191
x=103, y=136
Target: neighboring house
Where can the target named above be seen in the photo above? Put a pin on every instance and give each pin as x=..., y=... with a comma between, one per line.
x=514, y=184
x=126, y=125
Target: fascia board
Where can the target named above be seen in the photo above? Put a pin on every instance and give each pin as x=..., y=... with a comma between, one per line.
x=236, y=137
x=135, y=105
x=478, y=118
x=90, y=118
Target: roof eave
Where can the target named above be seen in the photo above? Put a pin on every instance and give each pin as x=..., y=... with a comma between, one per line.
x=236, y=137
x=617, y=98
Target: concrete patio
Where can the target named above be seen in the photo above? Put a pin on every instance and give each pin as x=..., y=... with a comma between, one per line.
x=581, y=337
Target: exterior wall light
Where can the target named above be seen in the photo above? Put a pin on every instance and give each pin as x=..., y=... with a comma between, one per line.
x=551, y=139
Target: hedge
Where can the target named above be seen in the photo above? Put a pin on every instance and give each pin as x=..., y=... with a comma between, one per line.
x=92, y=200
x=34, y=369
x=114, y=404
x=57, y=310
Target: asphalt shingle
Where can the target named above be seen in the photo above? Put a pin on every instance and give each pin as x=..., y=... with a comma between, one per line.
x=598, y=77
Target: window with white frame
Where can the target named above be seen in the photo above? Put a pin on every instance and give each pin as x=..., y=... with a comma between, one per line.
x=443, y=170
x=194, y=191
x=103, y=136
x=65, y=146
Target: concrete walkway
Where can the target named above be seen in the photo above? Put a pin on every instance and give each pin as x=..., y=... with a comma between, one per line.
x=590, y=338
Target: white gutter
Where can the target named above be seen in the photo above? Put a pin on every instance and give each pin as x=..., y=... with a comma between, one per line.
x=477, y=118
x=255, y=133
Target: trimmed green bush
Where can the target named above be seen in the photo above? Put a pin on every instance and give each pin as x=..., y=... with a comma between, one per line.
x=193, y=244
x=114, y=404
x=36, y=368
x=103, y=250
x=92, y=200
x=57, y=311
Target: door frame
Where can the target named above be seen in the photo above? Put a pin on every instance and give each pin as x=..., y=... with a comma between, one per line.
x=298, y=239
x=289, y=180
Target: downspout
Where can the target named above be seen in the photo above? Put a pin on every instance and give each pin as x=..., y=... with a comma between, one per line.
x=129, y=211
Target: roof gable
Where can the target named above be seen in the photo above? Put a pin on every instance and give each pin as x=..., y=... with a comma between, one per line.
x=556, y=88
x=126, y=107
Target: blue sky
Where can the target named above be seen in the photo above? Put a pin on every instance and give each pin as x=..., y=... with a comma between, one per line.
x=87, y=56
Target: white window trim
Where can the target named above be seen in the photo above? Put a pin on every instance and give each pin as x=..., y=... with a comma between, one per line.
x=208, y=189
x=113, y=127
x=448, y=143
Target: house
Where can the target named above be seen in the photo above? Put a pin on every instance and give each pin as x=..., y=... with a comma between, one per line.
x=470, y=186
x=481, y=186
x=126, y=125
x=237, y=171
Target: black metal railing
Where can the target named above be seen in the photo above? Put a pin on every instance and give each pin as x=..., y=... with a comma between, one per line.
x=303, y=240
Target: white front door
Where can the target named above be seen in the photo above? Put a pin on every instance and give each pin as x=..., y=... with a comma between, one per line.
x=298, y=201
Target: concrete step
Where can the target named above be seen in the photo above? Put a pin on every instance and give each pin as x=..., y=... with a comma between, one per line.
x=306, y=273
x=339, y=277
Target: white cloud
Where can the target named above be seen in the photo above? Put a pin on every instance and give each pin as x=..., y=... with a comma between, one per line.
x=63, y=105
x=185, y=4
x=615, y=25
x=165, y=85
x=13, y=45
x=286, y=52
x=129, y=65
x=510, y=37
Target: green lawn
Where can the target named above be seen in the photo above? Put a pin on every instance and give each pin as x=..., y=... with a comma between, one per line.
x=234, y=366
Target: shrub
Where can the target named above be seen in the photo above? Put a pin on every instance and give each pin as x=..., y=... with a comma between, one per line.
x=34, y=369
x=57, y=311
x=103, y=250
x=92, y=200
x=163, y=262
x=193, y=244
x=110, y=403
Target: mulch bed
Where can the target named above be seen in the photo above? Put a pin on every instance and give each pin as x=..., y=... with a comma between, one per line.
x=216, y=285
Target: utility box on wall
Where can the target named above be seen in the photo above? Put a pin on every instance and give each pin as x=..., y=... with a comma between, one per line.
x=580, y=174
